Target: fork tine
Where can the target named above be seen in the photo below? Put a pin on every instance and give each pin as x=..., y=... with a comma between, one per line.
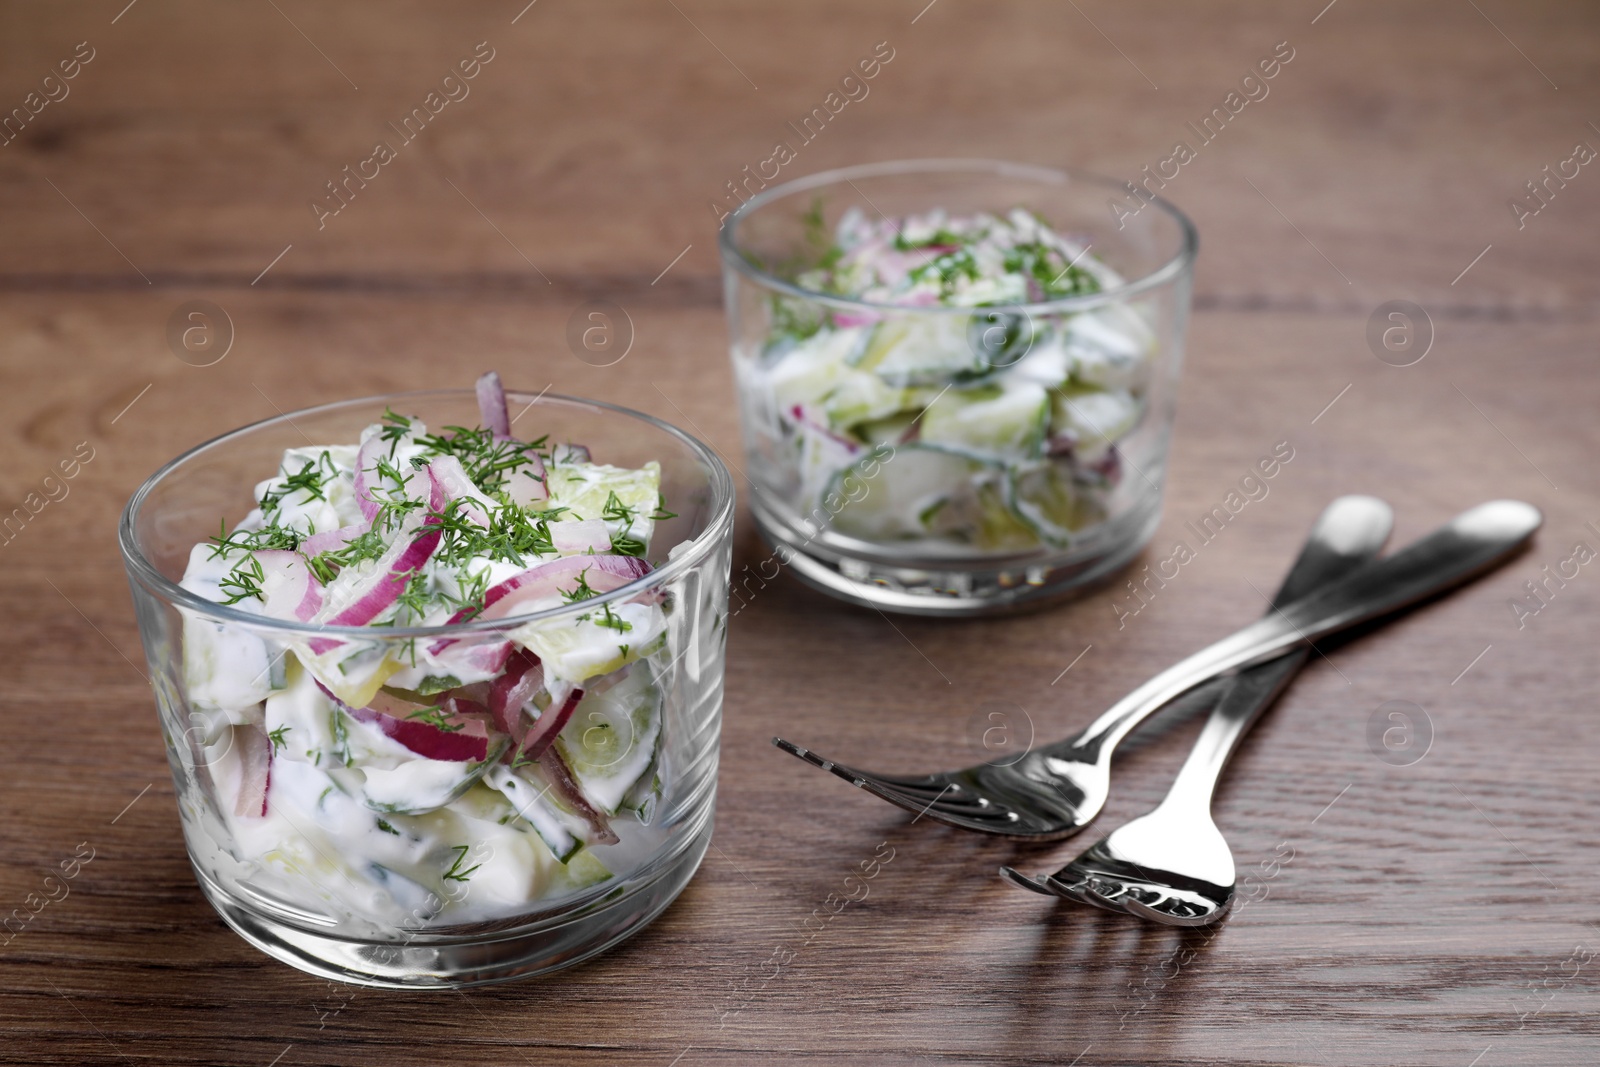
x=915, y=805
x=1091, y=895
x=920, y=807
x=1144, y=911
x=939, y=800
x=1033, y=882
x=839, y=770
x=850, y=774
x=913, y=794
x=1052, y=885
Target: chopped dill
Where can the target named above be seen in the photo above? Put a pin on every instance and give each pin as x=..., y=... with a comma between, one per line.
x=455, y=873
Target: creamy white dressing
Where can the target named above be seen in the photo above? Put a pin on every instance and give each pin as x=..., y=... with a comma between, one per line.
x=358, y=826
x=1036, y=402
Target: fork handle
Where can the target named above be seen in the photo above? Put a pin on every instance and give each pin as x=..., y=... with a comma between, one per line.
x=1248, y=695
x=1474, y=542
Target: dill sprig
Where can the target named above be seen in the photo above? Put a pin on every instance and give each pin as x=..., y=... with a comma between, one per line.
x=268, y=537
x=661, y=514
x=327, y=565
x=455, y=873
x=244, y=581
x=487, y=460
x=624, y=543
x=416, y=597
x=396, y=428
x=310, y=479
x=609, y=619
x=581, y=591
x=435, y=717
x=1055, y=275
x=513, y=534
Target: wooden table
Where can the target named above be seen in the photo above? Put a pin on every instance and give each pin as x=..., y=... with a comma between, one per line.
x=1440, y=912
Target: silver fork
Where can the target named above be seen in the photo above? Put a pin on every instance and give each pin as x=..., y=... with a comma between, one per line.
x=1173, y=865
x=1054, y=791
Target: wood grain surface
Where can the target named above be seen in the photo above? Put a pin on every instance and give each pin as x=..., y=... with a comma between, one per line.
x=1441, y=912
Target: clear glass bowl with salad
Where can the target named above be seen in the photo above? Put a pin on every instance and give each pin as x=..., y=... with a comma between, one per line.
x=956, y=377
x=440, y=676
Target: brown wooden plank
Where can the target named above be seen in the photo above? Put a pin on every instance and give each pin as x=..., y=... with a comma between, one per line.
x=1424, y=909
x=196, y=139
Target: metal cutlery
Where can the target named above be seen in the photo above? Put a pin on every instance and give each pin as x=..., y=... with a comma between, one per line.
x=1173, y=865
x=1053, y=791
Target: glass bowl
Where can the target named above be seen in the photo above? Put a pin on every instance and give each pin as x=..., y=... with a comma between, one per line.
x=321, y=885
x=944, y=460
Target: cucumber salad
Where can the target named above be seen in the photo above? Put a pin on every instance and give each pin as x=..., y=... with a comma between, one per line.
x=901, y=421
x=436, y=779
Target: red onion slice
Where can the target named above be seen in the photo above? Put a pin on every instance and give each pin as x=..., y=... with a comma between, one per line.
x=492, y=404
x=528, y=485
x=451, y=482
x=560, y=776
x=569, y=454
x=523, y=677
x=367, y=460
x=469, y=743
x=548, y=579
x=385, y=590
x=806, y=421
x=602, y=573
x=536, y=742
x=288, y=589
x=481, y=657
x=572, y=537
x=330, y=540
x=255, y=770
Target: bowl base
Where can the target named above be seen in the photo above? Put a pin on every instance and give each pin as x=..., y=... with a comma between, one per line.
x=964, y=589
x=455, y=962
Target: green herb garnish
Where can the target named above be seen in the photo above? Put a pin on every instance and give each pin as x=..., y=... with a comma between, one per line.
x=581, y=591
x=311, y=479
x=455, y=873
x=327, y=565
x=435, y=717
x=244, y=581
x=268, y=537
x=437, y=683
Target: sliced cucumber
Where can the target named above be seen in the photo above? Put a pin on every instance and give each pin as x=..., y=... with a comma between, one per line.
x=813, y=368
x=529, y=802
x=992, y=421
x=597, y=642
x=1097, y=418
x=922, y=490
x=1109, y=347
x=301, y=718
x=225, y=667
x=889, y=430
x=1044, y=496
x=861, y=397
x=580, y=872
x=423, y=785
x=998, y=528
x=1048, y=363
x=646, y=792
x=924, y=350
x=888, y=496
x=611, y=740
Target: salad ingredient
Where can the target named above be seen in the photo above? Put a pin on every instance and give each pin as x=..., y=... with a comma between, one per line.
x=947, y=407
x=369, y=771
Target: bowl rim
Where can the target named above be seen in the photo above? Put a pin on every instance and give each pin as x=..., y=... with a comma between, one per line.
x=142, y=570
x=1180, y=263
